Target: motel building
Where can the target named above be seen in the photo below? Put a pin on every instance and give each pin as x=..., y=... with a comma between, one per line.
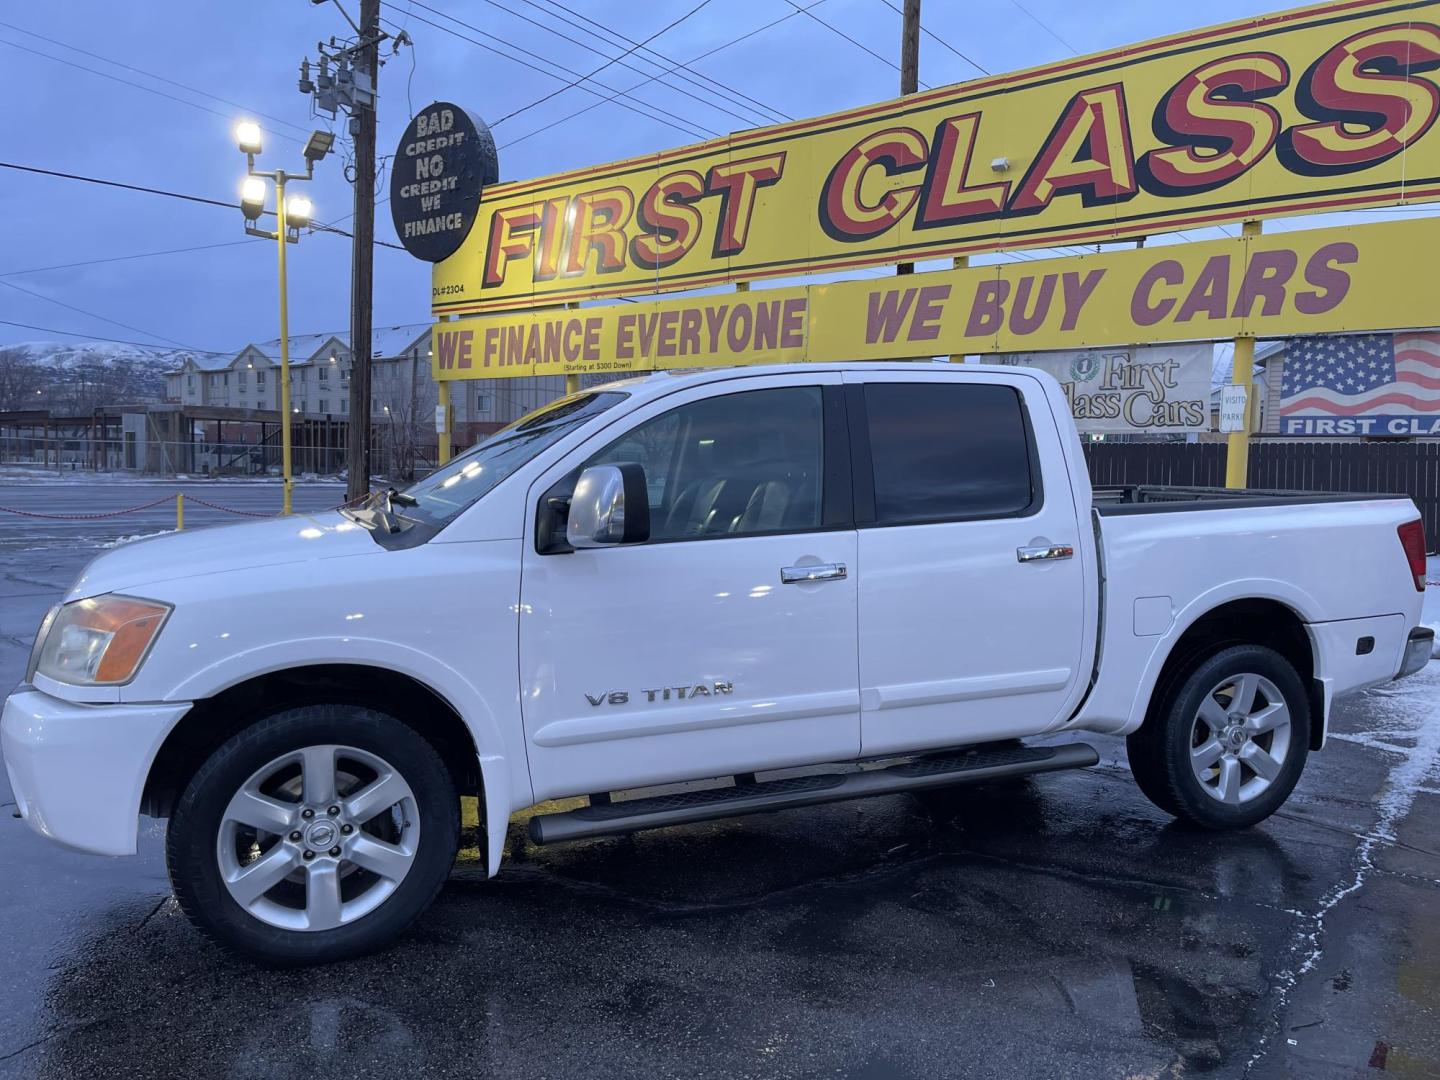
x=232, y=402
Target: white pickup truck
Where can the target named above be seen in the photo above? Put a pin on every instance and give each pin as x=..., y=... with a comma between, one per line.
x=719, y=576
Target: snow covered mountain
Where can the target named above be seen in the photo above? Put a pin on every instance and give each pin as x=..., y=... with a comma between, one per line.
x=66, y=376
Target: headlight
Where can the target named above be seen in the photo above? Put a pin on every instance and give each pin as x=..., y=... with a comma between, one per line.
x=100, y=641
x=40, y=636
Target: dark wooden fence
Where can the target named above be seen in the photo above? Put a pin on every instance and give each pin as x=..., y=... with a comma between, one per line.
x=1403, y=468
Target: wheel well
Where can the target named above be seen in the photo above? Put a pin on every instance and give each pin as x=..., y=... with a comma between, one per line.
x=1246, y=622
x=213, y=720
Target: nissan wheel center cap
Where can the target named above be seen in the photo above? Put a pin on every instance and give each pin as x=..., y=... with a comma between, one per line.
x=445, y=158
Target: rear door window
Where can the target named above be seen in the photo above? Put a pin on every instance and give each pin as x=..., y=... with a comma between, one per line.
x=949, y=452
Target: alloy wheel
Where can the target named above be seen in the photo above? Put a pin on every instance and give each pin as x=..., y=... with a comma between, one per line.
x=318, y=838
x=1240, y=738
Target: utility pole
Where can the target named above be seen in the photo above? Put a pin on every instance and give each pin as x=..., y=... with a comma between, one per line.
x=344, y=79
x=362, y=124
x=909, y=71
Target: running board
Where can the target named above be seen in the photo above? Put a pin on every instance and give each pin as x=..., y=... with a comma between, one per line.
x=686, y=807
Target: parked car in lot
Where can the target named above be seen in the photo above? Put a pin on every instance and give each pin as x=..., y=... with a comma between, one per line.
x=719, y=576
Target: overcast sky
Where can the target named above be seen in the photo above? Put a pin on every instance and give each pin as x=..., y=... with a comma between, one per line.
x=64, y=116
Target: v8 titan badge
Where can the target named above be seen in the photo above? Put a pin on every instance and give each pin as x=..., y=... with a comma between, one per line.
x=445, y=159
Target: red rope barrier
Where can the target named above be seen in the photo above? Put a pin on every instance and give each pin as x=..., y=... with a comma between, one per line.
x=87, y=517
x=227, y=509
x=163, y=499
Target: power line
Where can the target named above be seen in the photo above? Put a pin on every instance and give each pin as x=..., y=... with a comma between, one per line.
x=107, y=340
x=1043, y=25
x=106, y=75
x=91, y=314
x=122, y=258
x=669, y=121
x=685, y=71
x=318, y=226
x=634, y=106
x=117, y=184
x=136, y=85
x=585, y=78
x=758, y=30
x=738, y=95
x=708, y=102
x=836, y=30
x=150, y=75
x=938, y=39
x=694, y=59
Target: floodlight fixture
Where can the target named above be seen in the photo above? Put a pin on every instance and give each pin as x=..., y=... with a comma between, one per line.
x=252, y=197
x=297, y=211
x=248, y=136
x=318, y=145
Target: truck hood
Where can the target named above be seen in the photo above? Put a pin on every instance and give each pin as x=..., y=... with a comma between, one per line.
x=218, y=548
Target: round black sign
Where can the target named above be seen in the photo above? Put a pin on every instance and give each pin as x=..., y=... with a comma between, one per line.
x=446, y=156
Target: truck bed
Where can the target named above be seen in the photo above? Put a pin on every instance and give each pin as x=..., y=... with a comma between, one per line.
x=1122, y=499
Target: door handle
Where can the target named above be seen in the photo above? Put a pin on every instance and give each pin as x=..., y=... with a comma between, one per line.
x=1044, y=551
x=798, y=575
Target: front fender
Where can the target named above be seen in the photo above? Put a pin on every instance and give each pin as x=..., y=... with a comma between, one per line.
x=505, y=775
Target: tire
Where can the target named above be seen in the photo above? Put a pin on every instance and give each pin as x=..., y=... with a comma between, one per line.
x=326, y=887
x=1207, y=756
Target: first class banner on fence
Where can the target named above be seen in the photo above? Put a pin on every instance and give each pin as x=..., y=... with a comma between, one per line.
x=1161, y=389
x=1321, y=281
x=1323, y=108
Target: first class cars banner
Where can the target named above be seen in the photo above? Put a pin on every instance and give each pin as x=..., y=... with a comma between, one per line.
x=1320, y=281
x=1323, y=108
x=1163, y=389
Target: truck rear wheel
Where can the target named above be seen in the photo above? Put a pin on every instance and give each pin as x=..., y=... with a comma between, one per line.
x=1226, y=743
x=317, y=834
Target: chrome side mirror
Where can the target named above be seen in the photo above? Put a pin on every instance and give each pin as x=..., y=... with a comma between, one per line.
x=610, y=506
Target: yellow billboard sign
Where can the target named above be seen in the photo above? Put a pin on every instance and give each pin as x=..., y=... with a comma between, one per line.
x=1314, y=282
x=1322, y=108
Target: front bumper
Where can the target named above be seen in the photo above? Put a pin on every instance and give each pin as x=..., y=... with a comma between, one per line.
x=1418, y=648
x=78, y=771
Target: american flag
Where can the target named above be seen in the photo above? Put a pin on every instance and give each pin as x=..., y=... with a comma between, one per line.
x=1361, y=374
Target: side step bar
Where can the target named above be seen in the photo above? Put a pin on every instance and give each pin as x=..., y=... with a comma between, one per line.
x=686, y=807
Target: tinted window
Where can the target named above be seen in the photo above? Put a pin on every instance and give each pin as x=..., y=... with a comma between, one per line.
x=946, y=450
x=736, y=465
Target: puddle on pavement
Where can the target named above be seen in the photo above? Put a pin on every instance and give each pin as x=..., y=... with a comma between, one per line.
x=845, y=940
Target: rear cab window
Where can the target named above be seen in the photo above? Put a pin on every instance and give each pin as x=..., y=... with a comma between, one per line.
x=945, y=451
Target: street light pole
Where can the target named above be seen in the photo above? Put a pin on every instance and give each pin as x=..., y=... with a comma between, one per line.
x=290, y=218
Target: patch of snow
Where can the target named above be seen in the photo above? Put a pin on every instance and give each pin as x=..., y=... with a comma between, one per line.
x=137, y=536
x=22, y=474
x=1412, y=712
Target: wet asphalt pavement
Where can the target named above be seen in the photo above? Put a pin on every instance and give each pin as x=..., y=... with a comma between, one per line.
x=1054, y=927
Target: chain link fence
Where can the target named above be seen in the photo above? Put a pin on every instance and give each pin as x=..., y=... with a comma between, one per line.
x=205, y=458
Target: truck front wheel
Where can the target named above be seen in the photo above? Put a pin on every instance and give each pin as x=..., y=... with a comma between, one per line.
x=1225, y=744
x=318, y=833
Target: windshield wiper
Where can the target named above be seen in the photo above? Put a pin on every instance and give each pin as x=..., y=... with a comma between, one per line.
x=377, y=511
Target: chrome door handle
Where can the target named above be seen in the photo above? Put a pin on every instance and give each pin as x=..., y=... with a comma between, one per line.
x=798, y=575
x=1044, y=551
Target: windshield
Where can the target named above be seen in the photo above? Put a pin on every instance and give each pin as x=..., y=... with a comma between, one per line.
x=445, y=492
